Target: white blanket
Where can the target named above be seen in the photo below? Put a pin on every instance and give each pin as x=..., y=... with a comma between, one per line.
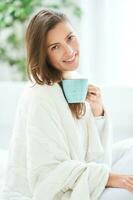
x=46, y=156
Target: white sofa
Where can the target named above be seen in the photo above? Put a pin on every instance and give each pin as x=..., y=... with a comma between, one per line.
x=118, y=100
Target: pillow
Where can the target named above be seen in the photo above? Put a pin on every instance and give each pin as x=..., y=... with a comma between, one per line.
x=3, y=164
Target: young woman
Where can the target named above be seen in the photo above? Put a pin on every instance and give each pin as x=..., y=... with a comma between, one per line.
x=60, y=151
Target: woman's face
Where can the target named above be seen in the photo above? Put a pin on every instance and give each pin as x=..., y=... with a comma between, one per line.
x=63, y=47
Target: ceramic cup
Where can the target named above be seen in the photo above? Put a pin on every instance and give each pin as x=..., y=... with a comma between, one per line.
x=75, y=90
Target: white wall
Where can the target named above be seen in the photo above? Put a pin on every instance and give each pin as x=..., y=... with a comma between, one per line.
x=107, y=41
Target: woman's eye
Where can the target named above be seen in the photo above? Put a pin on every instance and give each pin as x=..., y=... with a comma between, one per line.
x=54, y=47
x=70, y=37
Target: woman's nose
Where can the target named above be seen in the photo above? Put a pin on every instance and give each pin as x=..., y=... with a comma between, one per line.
x=68, y=50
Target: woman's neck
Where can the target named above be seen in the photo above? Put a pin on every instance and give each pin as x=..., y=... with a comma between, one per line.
x=70, y=74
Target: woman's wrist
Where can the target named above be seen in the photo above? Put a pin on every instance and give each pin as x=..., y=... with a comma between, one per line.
x=111, y=180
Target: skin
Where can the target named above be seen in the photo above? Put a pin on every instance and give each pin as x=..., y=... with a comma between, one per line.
x=120, y=181
x=60, y=50
x=63, y=47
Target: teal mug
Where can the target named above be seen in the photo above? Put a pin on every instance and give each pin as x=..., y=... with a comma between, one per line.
x=75, y=90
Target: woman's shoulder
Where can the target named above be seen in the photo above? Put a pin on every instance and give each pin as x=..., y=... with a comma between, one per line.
x=38, y=92
x=33, y=90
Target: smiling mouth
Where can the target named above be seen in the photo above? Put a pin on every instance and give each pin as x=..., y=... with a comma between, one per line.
x=72, y=59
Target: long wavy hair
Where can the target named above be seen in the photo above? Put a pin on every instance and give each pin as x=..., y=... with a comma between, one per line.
x=39, y=68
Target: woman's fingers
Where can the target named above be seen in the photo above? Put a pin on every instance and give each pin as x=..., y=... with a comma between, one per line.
x=94, y=98
x=94, y=90
x=129, y=186
x=93, y=95
x=93, y=87
x=128, y=183
x=130, y=180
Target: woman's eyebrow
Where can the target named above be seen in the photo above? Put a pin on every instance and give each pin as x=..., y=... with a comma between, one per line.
x=58, y=42
x=53, y=44
x=68, y=34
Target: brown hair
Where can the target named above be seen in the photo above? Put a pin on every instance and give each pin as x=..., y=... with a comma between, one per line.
x=39, y=67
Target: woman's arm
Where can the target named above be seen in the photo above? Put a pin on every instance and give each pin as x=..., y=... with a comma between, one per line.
x=95, y=100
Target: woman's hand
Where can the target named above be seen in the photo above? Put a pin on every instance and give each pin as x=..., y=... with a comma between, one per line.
x=120, y=181
x=95, y=100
